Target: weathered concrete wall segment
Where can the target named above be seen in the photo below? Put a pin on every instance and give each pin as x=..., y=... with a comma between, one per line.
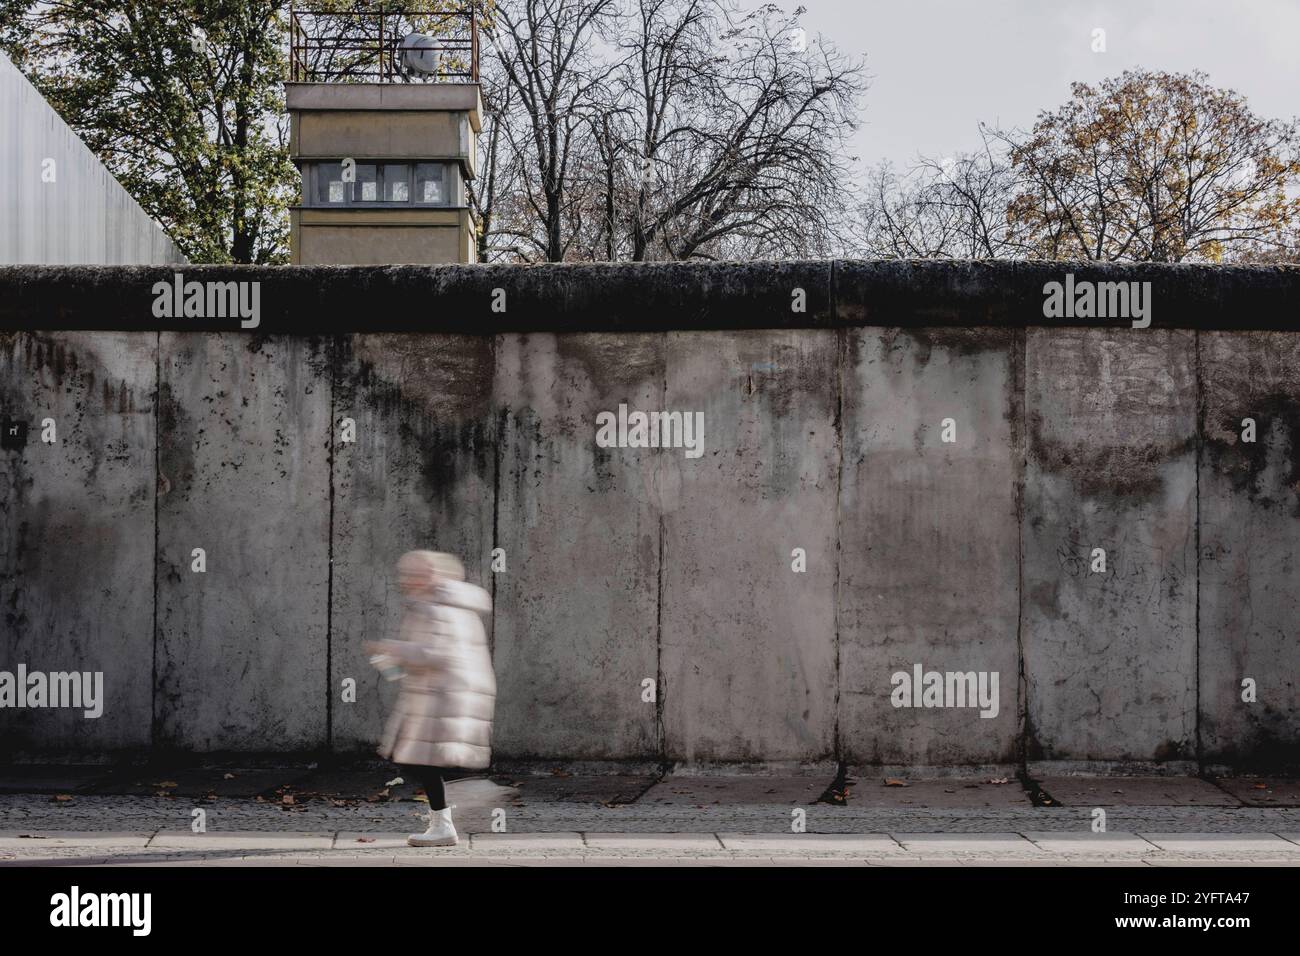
x=945, y=488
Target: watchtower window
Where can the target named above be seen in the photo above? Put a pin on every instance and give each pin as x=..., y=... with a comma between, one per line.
x=379, y=184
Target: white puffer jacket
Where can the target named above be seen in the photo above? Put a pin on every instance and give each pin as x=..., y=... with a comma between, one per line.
x=444, y=711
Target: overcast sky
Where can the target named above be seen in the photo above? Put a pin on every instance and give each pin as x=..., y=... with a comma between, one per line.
x=940, y=66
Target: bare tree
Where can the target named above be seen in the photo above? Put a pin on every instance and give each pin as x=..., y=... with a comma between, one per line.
x=544, y=50
x=677, y=129
x=739, y=129
x=950, y=207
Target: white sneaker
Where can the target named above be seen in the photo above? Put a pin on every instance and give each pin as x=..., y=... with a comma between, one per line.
x=440, y=832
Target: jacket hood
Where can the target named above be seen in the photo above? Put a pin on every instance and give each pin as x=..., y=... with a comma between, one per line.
x=456, y=594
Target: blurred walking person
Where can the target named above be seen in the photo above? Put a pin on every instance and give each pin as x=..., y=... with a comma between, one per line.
x=443, y=717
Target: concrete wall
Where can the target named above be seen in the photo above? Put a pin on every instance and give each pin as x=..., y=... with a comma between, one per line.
x=244, y=474
x=824, y=433
x=929, y=539
x=1249, y=534
x=77, y=531
x=60, y=204
x=1110, y=656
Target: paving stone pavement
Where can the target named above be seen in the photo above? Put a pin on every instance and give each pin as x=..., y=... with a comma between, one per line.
x=361, y=819
x=245, y=848
x=88, y=813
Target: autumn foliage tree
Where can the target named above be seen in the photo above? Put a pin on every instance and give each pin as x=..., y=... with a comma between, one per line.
x=1147, y=166
x=1158, y=167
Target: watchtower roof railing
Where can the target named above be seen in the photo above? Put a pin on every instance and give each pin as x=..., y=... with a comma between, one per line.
x=365, y=45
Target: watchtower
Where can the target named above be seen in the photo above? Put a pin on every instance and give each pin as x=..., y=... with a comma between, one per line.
x=384, y=106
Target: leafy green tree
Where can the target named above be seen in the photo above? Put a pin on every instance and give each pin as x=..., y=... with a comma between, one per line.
x=182, y=100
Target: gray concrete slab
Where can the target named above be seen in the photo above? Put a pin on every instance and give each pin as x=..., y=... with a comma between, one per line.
x=1110, y=657
x=1085, y=842
x=491, y=842
x=687, y=790
x=1241, y=845
x=1262, y=791
x=966, y=843
x=362, y=842
x=578, y=788
x=1136, y=792
x=420, y=474
x=863, y=844
x=652, y=841
x=928, y=539
x=336, y=861
x=748, y=642
x=1250, y=548
x=243, y=452
x=43, y=778
x=196, y=782
x=221, y=841
x=20, y=840
x=76, y=535
x=571, y=650
x=82, y=861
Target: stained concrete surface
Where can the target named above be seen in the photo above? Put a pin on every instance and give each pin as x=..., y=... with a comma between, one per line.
x=1249, y=496
x=574, y=636
x=243, y=464
x=1136, y=791
x=747, y=642
x=419, y=473
x=76, y=532
x=971, y=551
x=1110, y=656
x=928, y=541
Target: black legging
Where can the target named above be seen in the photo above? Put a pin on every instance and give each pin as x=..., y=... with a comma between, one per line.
x=430, y=779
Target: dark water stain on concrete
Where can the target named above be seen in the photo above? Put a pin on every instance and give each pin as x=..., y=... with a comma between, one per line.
x=614, y=364
x=1107, y=471
x=791, y=375
x=1173, y=750
x=603, y=466
x=435, y=391
x=438, y=377
x=963, y=343
x=176, y=446
x=449, y=455
x=1246, y=465
x=525, y=448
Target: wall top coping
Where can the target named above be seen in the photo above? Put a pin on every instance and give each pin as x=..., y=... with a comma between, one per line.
x=650, y=297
